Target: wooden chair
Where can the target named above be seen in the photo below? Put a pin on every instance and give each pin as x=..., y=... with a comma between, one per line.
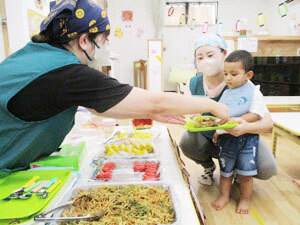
x=140, y=73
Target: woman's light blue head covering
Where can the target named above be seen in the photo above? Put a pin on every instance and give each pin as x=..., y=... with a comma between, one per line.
x=70, y=18
x=211, y=39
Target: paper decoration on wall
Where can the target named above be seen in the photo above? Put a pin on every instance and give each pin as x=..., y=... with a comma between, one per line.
x=155, y=76
x=192, y=24
x=34, y=21
x=241, y=24
x=118, y=32
x=261, y=20
x=159, y=58
x=205, y=27
x=182, y=19
x=248, y=44
x=237, y=26
x=127, y=25
x=171, y=11
x=282, y=9
x=39, y=4
x=140, y=32
x=127, y=16
x=220, y=28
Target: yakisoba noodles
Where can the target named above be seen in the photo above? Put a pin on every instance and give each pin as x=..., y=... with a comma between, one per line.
x=124, y=205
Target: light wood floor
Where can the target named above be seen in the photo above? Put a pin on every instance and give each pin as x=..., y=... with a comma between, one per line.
x=274, y=202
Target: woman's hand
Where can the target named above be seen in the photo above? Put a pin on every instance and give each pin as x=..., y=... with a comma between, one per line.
x=240, y=129
x=220, y=111
x=169, y=119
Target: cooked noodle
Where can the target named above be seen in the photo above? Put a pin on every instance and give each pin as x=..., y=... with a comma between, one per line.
x=124, y=205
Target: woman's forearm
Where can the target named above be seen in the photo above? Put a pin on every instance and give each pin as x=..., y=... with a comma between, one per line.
x=264, y=125
x=181, y=104
x=120, y=114
x=140, y=101
x=250, y=117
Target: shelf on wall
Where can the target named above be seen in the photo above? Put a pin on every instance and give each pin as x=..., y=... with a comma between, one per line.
x=268, y=37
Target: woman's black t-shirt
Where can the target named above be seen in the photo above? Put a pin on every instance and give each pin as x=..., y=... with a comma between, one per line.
x=62, y=88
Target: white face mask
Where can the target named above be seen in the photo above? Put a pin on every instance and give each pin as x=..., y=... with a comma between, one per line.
x=101, y=57
x=210, y=66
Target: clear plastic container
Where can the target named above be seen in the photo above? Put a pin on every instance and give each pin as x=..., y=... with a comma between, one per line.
x=126, y=170
x=128, y=149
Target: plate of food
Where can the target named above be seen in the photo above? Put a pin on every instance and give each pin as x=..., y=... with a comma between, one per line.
x=205, y=123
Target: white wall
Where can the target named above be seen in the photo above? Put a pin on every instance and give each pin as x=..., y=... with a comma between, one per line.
x=130, y=47
x=17, y=21
x=282, y=25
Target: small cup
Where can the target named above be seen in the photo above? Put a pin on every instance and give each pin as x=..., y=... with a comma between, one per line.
x=108, y=126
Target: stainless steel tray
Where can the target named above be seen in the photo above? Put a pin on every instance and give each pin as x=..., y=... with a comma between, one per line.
x=88, y=186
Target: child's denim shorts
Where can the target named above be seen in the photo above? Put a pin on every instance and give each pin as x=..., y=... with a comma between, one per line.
x=238, y=154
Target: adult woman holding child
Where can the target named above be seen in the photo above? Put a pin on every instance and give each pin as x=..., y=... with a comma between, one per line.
x=210, y=52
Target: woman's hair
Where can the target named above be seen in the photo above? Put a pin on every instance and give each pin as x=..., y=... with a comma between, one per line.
x=242, y=56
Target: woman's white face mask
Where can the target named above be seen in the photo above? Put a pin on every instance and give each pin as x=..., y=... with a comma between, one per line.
x=210, y=66
x=209, y=60
x=101, y=56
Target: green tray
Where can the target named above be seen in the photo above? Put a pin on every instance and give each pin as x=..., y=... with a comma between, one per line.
x=192, y=125
x=24, y=208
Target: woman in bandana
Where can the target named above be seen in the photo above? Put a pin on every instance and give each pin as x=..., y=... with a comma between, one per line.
x=210, y=54
x=43, y=83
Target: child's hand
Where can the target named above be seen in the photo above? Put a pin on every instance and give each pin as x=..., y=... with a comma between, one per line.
x=215, y=138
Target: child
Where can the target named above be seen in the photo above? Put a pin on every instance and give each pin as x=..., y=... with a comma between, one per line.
x=238, y=154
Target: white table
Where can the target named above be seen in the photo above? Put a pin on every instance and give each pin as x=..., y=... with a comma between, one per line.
x=286, y=125
x=171, y=175
x=281, y=100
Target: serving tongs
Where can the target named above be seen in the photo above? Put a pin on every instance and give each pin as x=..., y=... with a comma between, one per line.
x=111, y=140
x=44, y=217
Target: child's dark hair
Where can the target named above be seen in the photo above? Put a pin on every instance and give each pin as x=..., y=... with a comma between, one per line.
x=241, y=56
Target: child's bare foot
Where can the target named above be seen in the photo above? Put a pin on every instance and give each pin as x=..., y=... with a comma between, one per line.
x=220, y=202
x=243, y=206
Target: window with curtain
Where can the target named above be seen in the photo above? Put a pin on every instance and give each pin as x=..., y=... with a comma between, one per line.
x=184, y=13
x=175, y=14
x=203, y=12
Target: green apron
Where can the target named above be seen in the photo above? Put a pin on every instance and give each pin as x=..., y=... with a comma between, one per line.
x=22, y=142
